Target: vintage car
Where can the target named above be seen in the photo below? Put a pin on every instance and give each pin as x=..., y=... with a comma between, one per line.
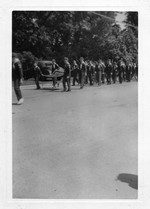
x=46, y=70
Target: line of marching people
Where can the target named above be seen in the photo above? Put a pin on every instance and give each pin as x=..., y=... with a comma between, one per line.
x=101, y=72
x=83, y=72
x=95, y=72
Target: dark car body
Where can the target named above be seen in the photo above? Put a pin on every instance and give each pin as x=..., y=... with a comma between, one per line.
x=46, y=69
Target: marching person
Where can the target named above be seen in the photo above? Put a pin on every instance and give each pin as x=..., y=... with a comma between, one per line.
x=103, y=72
x=17, y=76
x=89, y=73
x=128, y=71
x=82, y=69
x=124, y=71
x=97, y=72
x=100, y=71
x=55, y=66
x=121, y=69
x=109, y=68
x=75, y=69
x=136, y=71
x=115, y=72
x=37, y=73
x=67, y=74
x=93, y=71
x=86, y=73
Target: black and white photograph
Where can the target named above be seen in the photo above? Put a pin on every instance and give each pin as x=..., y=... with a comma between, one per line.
x=75, y=104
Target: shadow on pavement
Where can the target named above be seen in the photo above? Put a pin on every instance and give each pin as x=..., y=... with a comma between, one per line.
x=49, y=88
x=130, y=179
x=45, y=88
x=14, y=103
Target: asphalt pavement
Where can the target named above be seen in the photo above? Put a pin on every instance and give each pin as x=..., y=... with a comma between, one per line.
x=81, y=144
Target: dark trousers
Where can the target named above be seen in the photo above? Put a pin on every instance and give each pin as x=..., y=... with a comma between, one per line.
x=86, y=79
x=17, y=89
x=80, y=75
x=108, y=78
x=98, y=77
x=54, y=79
x=66, y=79
x=120, y=77
x=124, y=75
x=89, y=77
x=132, y=73
x=103, y=77
x=75, y=73
x=136, y=73
x=82, y=80
x=114, y=77
x=128, y=76
x=37, y=81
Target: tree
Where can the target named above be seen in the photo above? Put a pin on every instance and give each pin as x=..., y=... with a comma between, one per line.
x=132, y=21
x=89, y=34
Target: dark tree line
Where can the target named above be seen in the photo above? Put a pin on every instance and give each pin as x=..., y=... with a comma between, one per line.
x=55, y=34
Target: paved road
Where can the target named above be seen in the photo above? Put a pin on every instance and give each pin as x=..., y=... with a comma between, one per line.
x=80, y=144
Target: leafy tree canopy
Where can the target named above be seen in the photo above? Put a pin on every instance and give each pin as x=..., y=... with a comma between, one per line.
x=48, y=34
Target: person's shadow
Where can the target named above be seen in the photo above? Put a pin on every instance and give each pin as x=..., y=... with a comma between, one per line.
x=14, y=103
x=130, y=179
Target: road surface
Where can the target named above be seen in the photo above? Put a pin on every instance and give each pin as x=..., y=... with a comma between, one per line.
x=81, y=144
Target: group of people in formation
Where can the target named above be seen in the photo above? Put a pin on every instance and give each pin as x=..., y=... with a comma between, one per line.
x=91, y=72
x=82, y=72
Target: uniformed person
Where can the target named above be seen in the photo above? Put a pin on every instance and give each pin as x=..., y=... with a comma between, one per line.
x=55, y=66
x=121, y=69
x=136, y=71
x=93, y=72
x=103, y=72
x=99, y=69
x=75, y=71
x=86, y=73
x=128, y=72
x=115, y=72
x=97, y=72
x=109, y=69
x=89, y=73
x=67, y=74
x=17, y=76
x=124, y=67
x=132, y=71
x=37, y=73
x=82, y=69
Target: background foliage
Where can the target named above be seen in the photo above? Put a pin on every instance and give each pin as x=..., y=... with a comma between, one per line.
x=55, y=34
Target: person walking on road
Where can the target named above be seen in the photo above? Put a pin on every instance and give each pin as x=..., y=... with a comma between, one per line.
x=55, y=66
x=100, y=71
x=121, y=69
x=114, y=73
x=37, y=73
x=82, y=69
x=17, y=76
x=67, y=74
x=75, y=69
x=109, y=69
x=128, y=71
x=89, y=73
